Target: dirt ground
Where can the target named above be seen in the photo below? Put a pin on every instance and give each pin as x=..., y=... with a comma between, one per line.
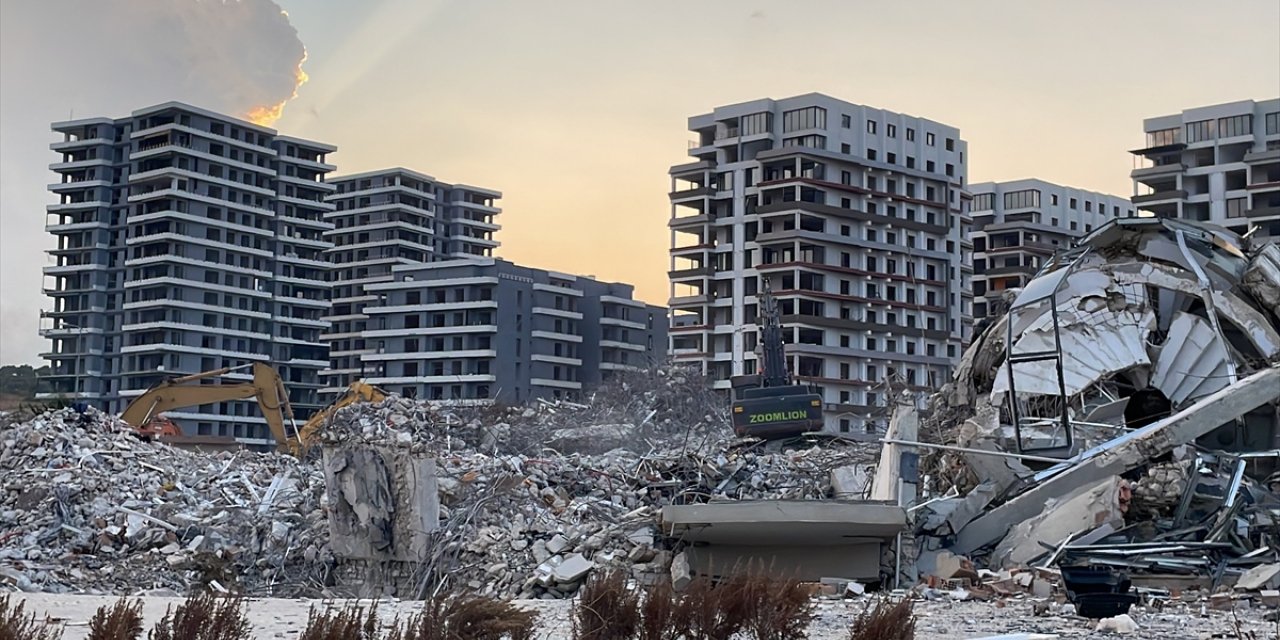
x=276, y=618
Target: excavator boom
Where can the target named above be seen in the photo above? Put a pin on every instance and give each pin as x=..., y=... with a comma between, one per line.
x=176, y=393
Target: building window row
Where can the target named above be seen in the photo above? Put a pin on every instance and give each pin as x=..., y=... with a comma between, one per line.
x=1022, y=199
x=813, y=142
x=983, y=202
x=1272, y=123
x=1163, y=137
x=755, y=123
x=1235, y=126
x=807, y=118
x=1201, y=130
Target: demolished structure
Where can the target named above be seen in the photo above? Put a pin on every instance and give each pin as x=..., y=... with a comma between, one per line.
x=1123, y=412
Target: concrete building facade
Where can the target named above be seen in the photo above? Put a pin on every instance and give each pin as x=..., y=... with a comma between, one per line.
x=480, y=330
x=1218, y=164
x=386, y=218
x=187, y=241
x=1019, y=224
x=859, y=217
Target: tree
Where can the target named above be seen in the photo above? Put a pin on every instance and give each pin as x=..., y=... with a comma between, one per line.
x=22, y=380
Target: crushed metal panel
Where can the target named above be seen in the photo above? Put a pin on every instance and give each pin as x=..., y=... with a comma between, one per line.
x=1111, y=343
x=1193, y=361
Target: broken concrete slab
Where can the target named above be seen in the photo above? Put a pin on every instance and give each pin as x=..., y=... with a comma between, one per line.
x=1263, y=576
x=1123, y=454
x=383, y=504
x=574, y=568
x=681, y=573
x=1081, y=510
x=591, y=439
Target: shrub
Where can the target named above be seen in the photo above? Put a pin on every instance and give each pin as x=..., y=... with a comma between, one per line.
x=203, y=616
x=779, y=609
x=348, y=623
x=17, y=624
x=605, y=609
x=462, y=617
x=121, y=621
x=885, y=621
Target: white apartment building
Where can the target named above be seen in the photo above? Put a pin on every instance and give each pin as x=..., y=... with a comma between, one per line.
x=1218, y=164
x=187, y=241
x=386, y=218
x=859, y=218
x=1019, y=224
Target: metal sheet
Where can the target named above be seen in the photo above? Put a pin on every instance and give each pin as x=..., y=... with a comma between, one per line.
x=1192, y=363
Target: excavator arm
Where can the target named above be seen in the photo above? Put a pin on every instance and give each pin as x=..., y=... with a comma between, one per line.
x=359, y=391
x=176, y=393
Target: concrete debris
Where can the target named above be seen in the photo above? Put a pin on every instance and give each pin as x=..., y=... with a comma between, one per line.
x=532, y=499
x=1123, y=414
x=87, y=507
x=1121, y=624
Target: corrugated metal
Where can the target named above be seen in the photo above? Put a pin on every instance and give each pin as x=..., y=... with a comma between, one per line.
x=1101, y=344
x=1192, y=363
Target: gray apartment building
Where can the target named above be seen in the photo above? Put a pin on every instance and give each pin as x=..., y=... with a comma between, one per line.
x=479, y=330
x=1019, y=224
x=186, y=241
x=386, y=218
x=859, y=217
x=1218, y=164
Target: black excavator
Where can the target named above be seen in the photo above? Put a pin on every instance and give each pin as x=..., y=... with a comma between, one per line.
x=769, y=405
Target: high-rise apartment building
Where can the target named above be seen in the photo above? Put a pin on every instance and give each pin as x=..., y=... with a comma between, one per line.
x=859, y=218
x=386, y=218
x=1218, y=164
x=1019, y=224
x=478, y=330
x=187, y=241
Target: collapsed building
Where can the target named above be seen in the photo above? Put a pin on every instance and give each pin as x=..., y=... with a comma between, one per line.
x=1122, y=411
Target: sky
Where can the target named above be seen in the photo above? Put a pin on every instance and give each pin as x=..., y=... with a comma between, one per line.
x=575, y=109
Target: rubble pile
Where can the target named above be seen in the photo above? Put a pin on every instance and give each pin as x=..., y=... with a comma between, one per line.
x=88, y=507
x=1121, y=414
x=533, y=523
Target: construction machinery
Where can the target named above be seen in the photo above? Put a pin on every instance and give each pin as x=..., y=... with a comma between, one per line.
x=144, y=413
x=769, y=405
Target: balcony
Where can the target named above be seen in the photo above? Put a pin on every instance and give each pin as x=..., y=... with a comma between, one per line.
x=1161, y=171
x=695, y=192
x=680, y=301
x=1263, y=211
x=686, y=274
x=1257, y=157
x=688, y=221
x=1159, y=196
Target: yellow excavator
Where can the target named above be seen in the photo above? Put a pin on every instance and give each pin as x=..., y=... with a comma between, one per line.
x=144, y=413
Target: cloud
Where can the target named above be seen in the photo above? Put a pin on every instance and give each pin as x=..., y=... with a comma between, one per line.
x=81, y=58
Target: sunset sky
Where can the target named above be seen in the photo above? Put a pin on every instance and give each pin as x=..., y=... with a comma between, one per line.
x=575, y=109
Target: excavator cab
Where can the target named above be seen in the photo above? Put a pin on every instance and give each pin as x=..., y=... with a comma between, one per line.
x=773, y=413
x=769, y=405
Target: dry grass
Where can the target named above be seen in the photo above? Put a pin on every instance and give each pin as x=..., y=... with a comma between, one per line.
x=661, y=616
x=779, y=609
x=885, y=621
x=17, y=624
x=203, y=616
x=348, y=623
x=462, y=617
x=121, y=621
x=606, y=609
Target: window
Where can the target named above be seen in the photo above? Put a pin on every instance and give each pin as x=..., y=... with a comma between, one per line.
x=911, y=134
x=983, y=202
x=871, y=154
x=911, y=162
x=891, y=158
x=1235, y=126
x=1072, y=203
x=929, y=139
x=1202, y=130
x=1022, y=199
x=1162, y=137
x=755, y=123
x=807, y=118
x=846, y=121
x=951, y=144
x=1272, y=123
x=846, y=149
x=1053, y=199
x=1088, y=206
x=813, y=142
x=891, y=130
